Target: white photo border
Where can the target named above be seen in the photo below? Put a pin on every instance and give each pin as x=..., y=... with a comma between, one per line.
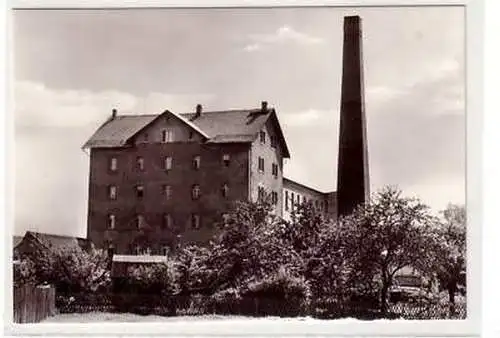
x=469, y=327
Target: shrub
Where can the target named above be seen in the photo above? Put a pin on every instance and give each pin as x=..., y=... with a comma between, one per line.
x=161, y=278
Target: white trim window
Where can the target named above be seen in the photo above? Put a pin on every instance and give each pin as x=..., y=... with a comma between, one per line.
x=167, y=164
x=111, y=221
x=167, y=136
x=112, y=192
x=113, y=164
x=196, y=162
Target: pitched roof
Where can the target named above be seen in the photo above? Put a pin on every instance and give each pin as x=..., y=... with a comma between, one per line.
x=289, y=182
x=56, y=241
x=117, y=131
x=229, y=126
x=16, y=240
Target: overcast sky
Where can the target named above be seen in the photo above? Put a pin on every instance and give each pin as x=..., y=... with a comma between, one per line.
x=73, y=66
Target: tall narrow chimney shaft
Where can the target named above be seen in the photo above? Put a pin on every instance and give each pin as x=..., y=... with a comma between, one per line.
x=353, y=175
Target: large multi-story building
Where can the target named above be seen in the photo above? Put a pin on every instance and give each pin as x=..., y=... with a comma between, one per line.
x=159, y=181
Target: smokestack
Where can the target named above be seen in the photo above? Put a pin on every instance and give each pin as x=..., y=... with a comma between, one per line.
x=353, y=176
x=199, y=109
x=113, y=114
x=263, y=106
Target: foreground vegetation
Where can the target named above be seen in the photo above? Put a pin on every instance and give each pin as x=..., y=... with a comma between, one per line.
x=302, y=262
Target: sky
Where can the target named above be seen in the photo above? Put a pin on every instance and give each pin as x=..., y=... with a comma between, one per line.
x=72, y=67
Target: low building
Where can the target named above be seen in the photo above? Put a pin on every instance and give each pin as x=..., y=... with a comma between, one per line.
x=32, y=242
x=296, y=193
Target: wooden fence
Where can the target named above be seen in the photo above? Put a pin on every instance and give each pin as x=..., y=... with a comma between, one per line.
x=33, y=304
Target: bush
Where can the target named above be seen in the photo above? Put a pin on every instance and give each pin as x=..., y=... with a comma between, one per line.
x=161, y=278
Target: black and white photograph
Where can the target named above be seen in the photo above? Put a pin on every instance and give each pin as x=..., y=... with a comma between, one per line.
x=253, y=164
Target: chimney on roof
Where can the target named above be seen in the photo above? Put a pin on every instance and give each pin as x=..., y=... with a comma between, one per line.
x=113, y=114
x=199, y=109
x=263, y=107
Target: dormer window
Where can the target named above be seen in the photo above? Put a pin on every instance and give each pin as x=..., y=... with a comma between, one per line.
x=167, y=136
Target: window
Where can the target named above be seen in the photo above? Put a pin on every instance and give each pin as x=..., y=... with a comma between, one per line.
x=167, y=191
x=139, y=191
x=112, y=192
x=191, y=134
x=316, y=204
x=139, y=250
x=167, y=136
x=140, y=163
x=167, y=221
x=167, y=163
x=140, y=221
x=226, y=159
x=262, y=136
x=225, y=190
x=165, y=250
x=298, y=199
x=261, y=164
x=274, y=197
x=113, y=164
x=292, y=199
x=111, y=221
x=195, y=192
x=261, y=193
x=275, y=170
x=304, y=200
x=195, y=221
x=273, y=141
x=286, y=201
x=196, y=162
x=326, y=206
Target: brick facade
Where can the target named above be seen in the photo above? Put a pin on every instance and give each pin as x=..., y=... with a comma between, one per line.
x=160, y=182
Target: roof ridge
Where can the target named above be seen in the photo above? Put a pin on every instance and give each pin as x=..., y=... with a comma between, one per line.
x=242, y=110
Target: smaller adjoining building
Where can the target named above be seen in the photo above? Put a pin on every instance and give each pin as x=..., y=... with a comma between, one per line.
x=34, y=242
x=295, y=193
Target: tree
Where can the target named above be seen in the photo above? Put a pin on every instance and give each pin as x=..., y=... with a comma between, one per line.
x=384, y=235
x=72, y=269
x=449, y=262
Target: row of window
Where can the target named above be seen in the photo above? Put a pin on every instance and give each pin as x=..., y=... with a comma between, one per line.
x=261, y=195
x=167, y=221
x=166, y=191
x=167, y=162
x=292, y=200
x=274, y=167
x=262, y=137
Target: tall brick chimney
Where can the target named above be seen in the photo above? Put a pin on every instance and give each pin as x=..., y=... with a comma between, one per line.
x=113, y=114
x=352, y=176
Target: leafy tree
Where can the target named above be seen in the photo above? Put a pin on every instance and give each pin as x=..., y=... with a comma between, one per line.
x=71, y=269
x=386, y=234
x=449, y=261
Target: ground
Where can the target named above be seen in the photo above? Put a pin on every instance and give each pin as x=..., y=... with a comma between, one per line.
x=93, y=317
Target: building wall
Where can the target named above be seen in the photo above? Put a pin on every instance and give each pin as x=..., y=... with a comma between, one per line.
x=324, y=203
x=153, y=205
x=266, y=179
